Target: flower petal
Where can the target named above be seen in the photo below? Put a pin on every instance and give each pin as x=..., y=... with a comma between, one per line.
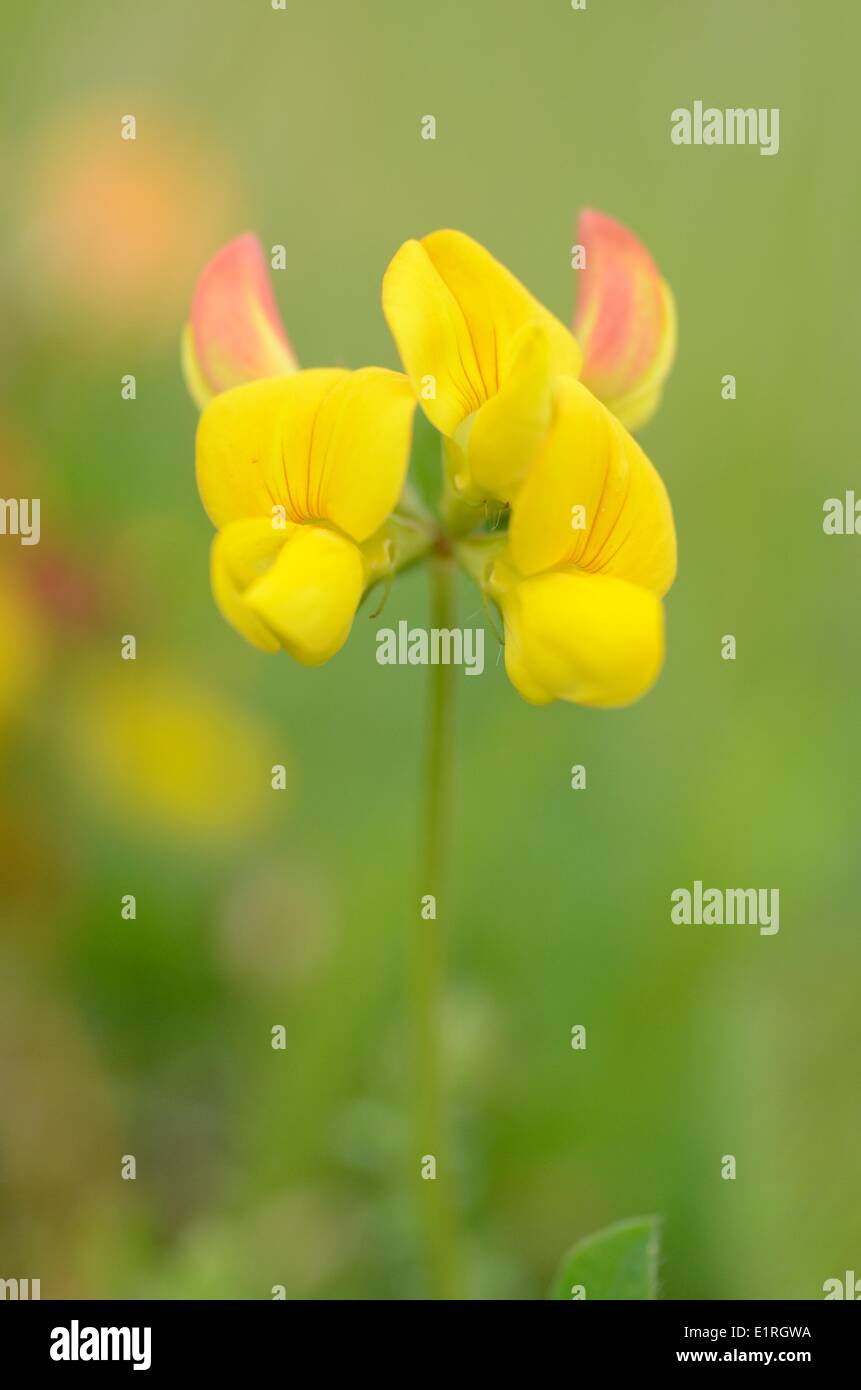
x=235, y=334
x=591, y=639
x=361, y=449
x=240, y=554
x=253, y=447
x=309, y=597
x=322, y=444
x=625, y=320
x=507, y=432
x=593, y=499
x=455, y=313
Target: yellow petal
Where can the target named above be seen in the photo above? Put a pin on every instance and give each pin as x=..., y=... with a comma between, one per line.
x=507, y=432
x=455, y=313
x=593, y=499
x=309, y=596
x=235, y=334
x=625, y=320
x=253, y=446
x=361, y=450
x=323, y=444
x=591, y=639
x=240, y=554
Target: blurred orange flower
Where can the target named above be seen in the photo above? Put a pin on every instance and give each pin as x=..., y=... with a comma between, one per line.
x=113, y=228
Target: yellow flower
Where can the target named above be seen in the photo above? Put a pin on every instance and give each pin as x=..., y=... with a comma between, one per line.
x=581, y=603
x=300, y=474
x=303, y=472
x=482, y=354
x=591, y=546
x=299, y=470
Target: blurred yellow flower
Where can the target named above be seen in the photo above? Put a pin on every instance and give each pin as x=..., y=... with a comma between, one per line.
x=162, y=750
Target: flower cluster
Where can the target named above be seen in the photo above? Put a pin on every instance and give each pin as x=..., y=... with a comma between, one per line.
x=545, y=497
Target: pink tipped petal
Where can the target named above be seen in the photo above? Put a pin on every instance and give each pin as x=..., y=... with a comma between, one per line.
x=235, y=334
x=625, y=320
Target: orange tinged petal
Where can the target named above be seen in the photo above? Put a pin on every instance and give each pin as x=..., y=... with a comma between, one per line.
x=235, y=334
x=625, y=320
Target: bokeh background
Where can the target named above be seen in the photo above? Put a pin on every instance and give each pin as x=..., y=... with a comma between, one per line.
x=259, y=1167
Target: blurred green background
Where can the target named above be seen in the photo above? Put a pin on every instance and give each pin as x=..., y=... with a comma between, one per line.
x=258, y=1167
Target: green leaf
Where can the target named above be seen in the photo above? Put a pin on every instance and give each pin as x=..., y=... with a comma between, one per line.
x=618, y=1263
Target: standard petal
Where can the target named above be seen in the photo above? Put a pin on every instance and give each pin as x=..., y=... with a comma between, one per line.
x=254, y=444
x=455, y=313
x=432, y=338
x=593, y=499
x=324, y=444
x=591, y=639
x=361, y=450
x=309, y=596
x=625, y=320
x=235, y=334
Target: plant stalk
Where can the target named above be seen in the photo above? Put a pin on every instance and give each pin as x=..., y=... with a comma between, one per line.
x=429, y=959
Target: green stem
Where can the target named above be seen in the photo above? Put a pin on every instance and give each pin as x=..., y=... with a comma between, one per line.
x=435, y=1199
